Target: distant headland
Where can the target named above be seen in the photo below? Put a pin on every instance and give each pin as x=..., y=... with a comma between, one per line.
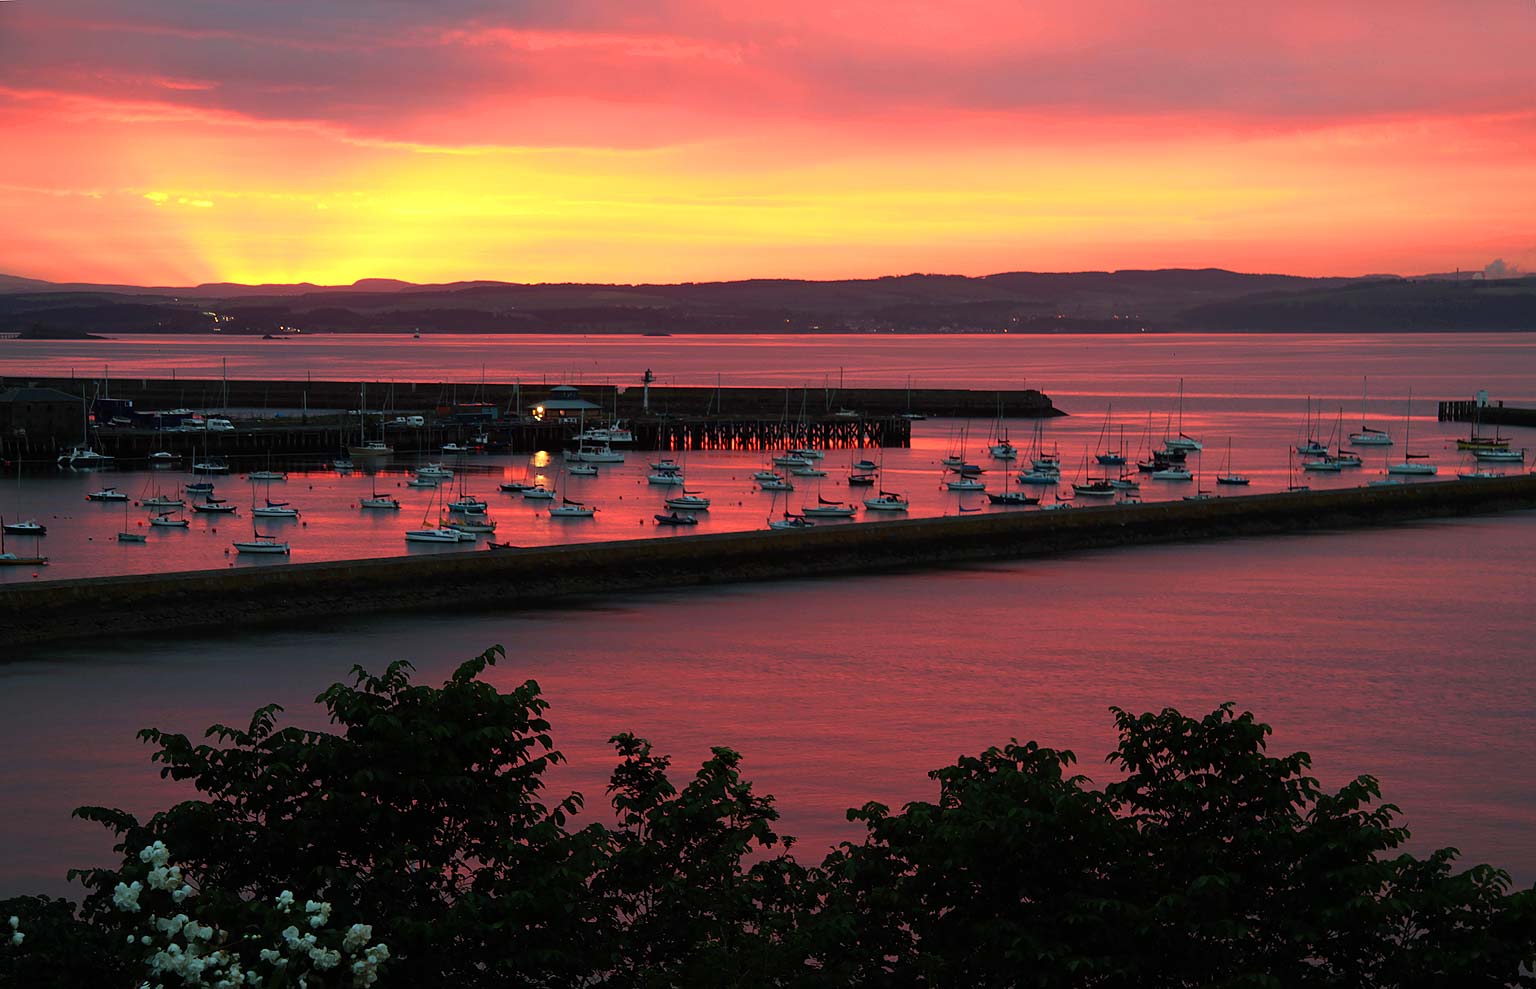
x=1167, y=300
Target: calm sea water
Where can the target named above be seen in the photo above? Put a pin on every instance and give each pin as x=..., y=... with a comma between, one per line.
x=1219, y=369
x=1253, y=392
x=1402, y=652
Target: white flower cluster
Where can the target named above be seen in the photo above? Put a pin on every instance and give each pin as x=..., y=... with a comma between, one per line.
x=17, y=936
x=201, y=955
x=320, y=913
x=126, y=897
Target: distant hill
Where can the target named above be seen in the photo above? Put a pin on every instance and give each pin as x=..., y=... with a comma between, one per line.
x=1406, y=305
x=1123, y=301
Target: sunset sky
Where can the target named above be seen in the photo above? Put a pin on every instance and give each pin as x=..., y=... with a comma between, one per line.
x=174, y=142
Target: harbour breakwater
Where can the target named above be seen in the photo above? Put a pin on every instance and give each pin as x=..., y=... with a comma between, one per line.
x=517, y=579
x=310, y=419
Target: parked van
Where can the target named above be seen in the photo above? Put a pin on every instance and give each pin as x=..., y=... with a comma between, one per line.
x=220, y=426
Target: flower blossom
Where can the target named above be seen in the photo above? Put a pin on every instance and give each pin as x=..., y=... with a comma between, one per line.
x=156, y=854
x=126, y=897
x=357, y=936
x=321, y=913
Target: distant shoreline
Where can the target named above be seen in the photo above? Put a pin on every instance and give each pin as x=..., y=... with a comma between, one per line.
x=1026, y=303
x=631, y=334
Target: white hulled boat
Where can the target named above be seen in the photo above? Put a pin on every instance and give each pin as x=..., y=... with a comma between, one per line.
x=887, y=501
x=260, y=543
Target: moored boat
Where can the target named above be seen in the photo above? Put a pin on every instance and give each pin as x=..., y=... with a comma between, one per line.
x=84, y=456
x=688, y=501
x=824, y=509
x=106, y=494
x=568, y=509
x=887, y=501
x=262, y=544
x=437, y=535
x=1095, y=488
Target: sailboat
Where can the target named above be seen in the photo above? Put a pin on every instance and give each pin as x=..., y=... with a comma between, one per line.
x=825, y=509
x=1181, y=441
x=15, y=559
x=667, y=475
x=909, y=415
x=260, y=543
x=1201, y=494
x=474, y=526
x=29, y=527
x=376, y=500
x=1001, y=448
x=371, y=449
x=108, y=493
x=213, y=506
x=170, y=520
x=168, y=508
x=886, y=501
x=1011, y=497
x=1333, y=462
x=1310, y=447
x=466, y=503
x=1368, y=436
x=568, y=509
x=438, y=534
x=268, y=474
x=1226, y=476
x=271, y=509
x=789, y=521
x=158, y=500
x=967, y=481
x=1290, y=473
x=129, y=535
x=83, y=456
x=1408, y=466
x=1092, y=487
x=1475, y=441
x=1110, y=457
x=692, y=501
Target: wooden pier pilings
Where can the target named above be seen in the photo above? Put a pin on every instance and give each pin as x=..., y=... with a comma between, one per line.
x=1493, y=414
x=720, y=433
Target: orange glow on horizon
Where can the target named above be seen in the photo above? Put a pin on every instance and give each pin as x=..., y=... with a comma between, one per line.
x=737, y=152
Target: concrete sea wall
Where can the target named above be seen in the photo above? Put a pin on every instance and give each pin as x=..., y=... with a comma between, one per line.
x=525, y=578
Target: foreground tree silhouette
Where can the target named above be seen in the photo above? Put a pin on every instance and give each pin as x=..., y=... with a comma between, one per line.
x=1206, y=862
x=1209, y=864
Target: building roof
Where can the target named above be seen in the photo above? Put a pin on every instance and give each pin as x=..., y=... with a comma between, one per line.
x=568, y=405
x=38, y=395
x=563, y=390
